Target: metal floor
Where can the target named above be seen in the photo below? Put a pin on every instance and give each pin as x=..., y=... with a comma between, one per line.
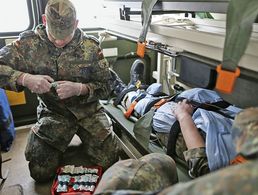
x=18, y=166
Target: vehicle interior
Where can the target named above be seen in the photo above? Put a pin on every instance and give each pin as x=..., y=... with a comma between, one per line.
x=183, y=45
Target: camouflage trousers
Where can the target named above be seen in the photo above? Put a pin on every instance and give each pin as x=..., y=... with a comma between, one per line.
x=51, y=135
x=180, y=143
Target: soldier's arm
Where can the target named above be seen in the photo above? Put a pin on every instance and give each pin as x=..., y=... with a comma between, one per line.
x=11, y=66
x=197, y=162
x=98, y=88
x=14, y=70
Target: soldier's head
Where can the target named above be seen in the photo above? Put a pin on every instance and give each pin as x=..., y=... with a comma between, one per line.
x=60, y=21
x=152, y=172
x=245, y=132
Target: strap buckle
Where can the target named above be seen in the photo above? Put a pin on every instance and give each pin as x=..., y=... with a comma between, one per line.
x=226, y=79
x=141, y=49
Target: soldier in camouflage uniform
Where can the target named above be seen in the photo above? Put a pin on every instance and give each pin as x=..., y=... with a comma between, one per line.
x=235, y=179
x=68, y=72
x=152, y=172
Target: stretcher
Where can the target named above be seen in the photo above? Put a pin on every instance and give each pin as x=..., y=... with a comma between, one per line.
x=123, y=129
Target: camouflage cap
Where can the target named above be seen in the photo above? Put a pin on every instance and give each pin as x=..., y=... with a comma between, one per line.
x=152, y=172
x=245, y=132
x=61, y=17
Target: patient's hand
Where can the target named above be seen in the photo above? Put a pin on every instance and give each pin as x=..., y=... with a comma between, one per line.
x=183, y=110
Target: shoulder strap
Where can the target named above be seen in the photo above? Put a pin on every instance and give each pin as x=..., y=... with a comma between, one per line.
x=130, y=110
x=217, y=107
x=160, y=101
x=173, y=135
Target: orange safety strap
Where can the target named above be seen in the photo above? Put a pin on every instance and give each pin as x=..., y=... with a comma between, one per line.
x=238, y=160
x=141, y=49
x=226, y=79
x=129, y=112
x=160, y=103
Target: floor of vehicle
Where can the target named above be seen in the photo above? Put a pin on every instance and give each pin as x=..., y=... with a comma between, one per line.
x=19, y=171
x=18, y=166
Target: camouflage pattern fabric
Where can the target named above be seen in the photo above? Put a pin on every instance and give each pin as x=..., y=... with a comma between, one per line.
x=245, y=132
x=52, y=133
x=43, y=158
x=238, y=179
x=81, y=60
x=197, y=162
x=196, y=159
x=61, y=17
x=152, y=172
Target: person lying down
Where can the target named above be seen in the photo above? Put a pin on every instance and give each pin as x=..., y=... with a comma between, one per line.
x=202, y=121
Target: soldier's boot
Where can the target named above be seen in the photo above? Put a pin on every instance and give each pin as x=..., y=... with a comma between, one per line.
x=136, y=73
x=117, y=85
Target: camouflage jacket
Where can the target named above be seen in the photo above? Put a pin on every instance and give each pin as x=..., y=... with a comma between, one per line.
x=196, y=158
x=237, y=179
x=79, y=61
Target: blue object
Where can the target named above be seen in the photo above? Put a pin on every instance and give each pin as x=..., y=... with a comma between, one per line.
x=7, y=131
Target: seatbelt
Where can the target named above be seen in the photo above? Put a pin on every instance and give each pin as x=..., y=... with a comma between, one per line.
x=240, y=18
x=217, y=107
x=130, y=110
x=147, y=6
x=156, y=104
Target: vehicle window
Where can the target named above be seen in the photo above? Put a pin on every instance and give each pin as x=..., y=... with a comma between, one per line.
x=87, y=12
x=14, y=16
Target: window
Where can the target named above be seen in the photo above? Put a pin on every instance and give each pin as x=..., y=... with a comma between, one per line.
x=87, y=12
x=14, y=16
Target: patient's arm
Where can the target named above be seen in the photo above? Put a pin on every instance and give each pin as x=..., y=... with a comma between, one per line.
x=195, y=156
x=192, y=137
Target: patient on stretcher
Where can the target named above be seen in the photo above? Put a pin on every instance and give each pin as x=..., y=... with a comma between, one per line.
x=198, y=121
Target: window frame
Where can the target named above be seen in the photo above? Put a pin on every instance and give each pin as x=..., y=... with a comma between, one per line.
x=33, y=14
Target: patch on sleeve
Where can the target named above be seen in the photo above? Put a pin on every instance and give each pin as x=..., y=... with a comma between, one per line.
x=17, y=43
x=100, y=54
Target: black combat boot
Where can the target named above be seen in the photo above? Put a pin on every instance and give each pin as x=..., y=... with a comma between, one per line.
x=116, y=84
x=136, y=73
x=136, y=79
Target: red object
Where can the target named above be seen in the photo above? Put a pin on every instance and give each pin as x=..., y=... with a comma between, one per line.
x=70, y=190
x=226, y=79
x=141, y=49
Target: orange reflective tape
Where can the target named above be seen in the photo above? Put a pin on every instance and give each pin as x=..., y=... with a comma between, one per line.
x=226, y=79
x=160, y=103
x=238, y=159
x=129, y=112
x=141, y=49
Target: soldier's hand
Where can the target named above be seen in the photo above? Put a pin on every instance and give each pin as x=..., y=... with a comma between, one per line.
x=37, y=83
x=66, y=89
